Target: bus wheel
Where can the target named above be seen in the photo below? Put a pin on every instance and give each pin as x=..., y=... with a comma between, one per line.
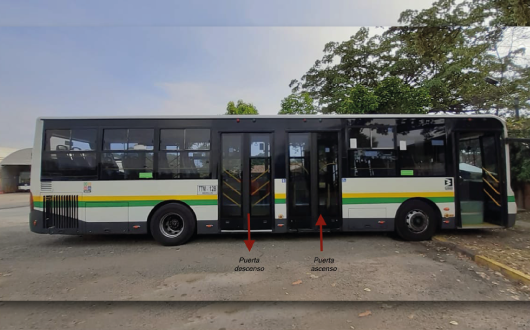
x=416, y=221
x=172, y=224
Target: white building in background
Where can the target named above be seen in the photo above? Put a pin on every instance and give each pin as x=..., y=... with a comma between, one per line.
x=6, y=151
x=15, y=168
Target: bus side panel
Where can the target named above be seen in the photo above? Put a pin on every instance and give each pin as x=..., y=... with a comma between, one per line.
x=107, y=207
x=36, y=216
x=280, y=206
x=371, y=204
x=512, y=207
x=142, y=197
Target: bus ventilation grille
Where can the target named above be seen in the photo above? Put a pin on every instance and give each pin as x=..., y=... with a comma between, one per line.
x=61, y=212
x=46, y=187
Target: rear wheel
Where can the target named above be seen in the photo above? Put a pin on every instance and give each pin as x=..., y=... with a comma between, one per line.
x=172, y=224
x=416, y=221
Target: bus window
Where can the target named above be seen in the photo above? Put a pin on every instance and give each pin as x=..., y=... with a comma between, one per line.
x=371, y=152
x=372, y=163
x=184, y=154
x=69, y=155
x=128, y=154
x=422, y=147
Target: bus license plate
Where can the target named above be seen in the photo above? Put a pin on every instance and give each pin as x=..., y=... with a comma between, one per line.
x=207, y=190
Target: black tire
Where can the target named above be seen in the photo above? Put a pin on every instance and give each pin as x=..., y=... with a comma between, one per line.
x=416, y=221
x=172, y=224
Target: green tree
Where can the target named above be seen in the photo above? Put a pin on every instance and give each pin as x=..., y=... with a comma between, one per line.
x=355, y=100
x=519, y=151
x=395, y=96
x=446, y=51
x=241, y=108
x=298, y=104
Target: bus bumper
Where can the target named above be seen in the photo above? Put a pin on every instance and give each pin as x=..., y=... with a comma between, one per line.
x=511, y=220
x=36, y=222
x=36, y=225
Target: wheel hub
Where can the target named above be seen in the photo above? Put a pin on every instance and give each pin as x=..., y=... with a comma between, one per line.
x=417, y=221
x=171, y=225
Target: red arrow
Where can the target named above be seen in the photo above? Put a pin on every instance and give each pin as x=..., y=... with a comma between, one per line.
x=249, y=242
x=321, y=223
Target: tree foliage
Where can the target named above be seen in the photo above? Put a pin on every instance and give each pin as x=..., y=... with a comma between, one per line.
x=519, y=151
x=443, y=54
x=241, y=108
x=298, y=104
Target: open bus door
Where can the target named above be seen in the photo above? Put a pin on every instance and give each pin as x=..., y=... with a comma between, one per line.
x=481, y=184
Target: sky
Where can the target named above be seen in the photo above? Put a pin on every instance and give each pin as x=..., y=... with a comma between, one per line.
x=98, y=58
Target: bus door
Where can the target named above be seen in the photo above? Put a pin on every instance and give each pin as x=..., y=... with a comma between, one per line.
x=481, y=195
x=245, y=181
x=313, y=185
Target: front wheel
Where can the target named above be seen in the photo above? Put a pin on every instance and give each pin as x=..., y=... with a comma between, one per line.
x=172, y=224
x=416, y=221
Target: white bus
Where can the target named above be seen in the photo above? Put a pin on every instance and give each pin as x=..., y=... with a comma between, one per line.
x=172, y=177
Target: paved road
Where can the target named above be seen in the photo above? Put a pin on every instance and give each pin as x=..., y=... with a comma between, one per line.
x=259, y=316
x=8, y=201
x=370, y=267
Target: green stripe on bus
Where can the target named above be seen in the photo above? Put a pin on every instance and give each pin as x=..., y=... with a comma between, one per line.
x=511, y=199
x=279, y=201
x=391, y=200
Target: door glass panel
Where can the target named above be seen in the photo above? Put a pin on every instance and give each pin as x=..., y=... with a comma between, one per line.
x=299, y=193
x=479, y=179
x=470, y=180
x=260, y=175
x=491, y=181
x=328, y=176
x=231, y=175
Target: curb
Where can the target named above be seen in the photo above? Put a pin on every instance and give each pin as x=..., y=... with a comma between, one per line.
x=481, y=260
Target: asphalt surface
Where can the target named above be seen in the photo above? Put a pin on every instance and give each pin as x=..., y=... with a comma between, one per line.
x=258, y=316
x=369, y=267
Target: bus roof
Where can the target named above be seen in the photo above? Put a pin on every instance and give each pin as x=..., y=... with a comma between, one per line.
x=276, y=116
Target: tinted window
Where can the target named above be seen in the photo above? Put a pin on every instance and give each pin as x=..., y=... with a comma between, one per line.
x=171, y=139
x=62, y=166
x=184, y=165
x=83, y=139
x=78, y=139
x=184, y=154
x=115, y=139
x=128, y=139
x=383, y=138
x=373, y=137
x=141, y=139
x=127, y=165
x=69, y=155
x=197, y=139
x=57, y=140
x=422, y=146
x=372, y=163
x=132, y=161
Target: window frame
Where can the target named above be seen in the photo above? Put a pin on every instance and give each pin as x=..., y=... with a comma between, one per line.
x=447, y=149
x=372, y=127
x=101, y=151
x=159, y=152
x=395, y=150
x=47, y=153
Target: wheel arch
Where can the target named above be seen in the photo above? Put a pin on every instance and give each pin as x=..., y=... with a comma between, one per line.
x=427, y=201
x=166, y=202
